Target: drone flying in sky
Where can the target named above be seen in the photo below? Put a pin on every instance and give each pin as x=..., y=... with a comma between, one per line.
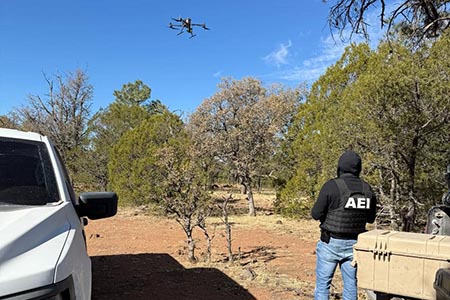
x=185, y=25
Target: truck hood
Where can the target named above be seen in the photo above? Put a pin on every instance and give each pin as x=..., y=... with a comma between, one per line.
x=31, y=242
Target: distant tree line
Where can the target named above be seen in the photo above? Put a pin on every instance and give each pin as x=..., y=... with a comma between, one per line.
x=390, y=104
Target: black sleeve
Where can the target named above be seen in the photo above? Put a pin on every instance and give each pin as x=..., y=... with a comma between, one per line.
x=320, y=208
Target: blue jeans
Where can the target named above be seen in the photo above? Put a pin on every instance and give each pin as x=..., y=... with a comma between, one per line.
x=328, y=256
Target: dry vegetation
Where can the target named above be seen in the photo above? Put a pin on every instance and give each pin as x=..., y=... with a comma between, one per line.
x=274, y=256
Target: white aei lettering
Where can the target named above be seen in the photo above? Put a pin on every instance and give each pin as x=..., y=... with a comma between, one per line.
x=363, y=203
x=350, y=203
x=359, y=203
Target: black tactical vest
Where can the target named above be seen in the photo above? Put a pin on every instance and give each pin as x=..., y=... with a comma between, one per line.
x=352, y=214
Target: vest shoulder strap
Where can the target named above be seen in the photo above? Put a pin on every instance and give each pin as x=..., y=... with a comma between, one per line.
x=342, y=186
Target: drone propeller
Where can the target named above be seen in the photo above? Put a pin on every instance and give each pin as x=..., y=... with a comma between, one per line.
x=174, y=26
x=202, y=25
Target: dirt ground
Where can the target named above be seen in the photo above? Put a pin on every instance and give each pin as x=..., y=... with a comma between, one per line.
x=139, y=256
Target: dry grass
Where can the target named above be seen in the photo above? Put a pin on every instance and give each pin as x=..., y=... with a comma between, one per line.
x=283, y=285
x=254, y=273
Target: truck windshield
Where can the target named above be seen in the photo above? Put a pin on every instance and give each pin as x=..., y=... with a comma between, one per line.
x=26, y=173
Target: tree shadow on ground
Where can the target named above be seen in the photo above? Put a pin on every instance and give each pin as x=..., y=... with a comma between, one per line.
x=261, y=253
x=159, y=276
x=234, y=210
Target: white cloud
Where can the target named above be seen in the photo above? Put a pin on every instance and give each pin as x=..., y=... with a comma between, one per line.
x=313, y=67
x=302, y=74
x=279, y=56
x=328, y=52
x=217, y=74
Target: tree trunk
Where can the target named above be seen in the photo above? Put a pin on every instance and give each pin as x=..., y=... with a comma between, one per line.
x=410, y=216
x=190, y=240
x=228, y=235
x=244, y=189
x=392, y=215
x=251, y=202
x=104, y=185
x=227, y=227
x=208, y=239
x=191, y=247
x=208, y=246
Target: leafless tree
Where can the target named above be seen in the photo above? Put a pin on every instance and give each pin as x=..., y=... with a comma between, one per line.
x=182, y=191
x=61, y=114
x=419, y=18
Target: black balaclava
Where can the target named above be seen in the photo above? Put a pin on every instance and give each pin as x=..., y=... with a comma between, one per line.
x=349, y=162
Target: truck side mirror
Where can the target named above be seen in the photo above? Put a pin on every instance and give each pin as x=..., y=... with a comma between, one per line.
x=97, y=205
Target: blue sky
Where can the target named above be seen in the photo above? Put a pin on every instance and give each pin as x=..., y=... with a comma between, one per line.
x=117, y=42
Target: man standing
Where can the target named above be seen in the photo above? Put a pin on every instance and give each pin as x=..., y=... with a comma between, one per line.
x=344, y=206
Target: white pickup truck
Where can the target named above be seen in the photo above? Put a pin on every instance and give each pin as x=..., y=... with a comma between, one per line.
x=43, y=251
